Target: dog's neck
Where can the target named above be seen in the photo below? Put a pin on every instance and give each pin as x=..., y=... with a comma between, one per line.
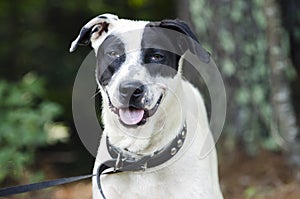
x=142, y=162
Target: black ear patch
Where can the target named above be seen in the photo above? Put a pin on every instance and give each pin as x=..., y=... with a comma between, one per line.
x=191, y=42
x=94, y=29
x=85, y=34
x=179, y=26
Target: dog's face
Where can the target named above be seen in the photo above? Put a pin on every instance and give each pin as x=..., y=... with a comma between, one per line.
x=138, y=66
x=136, y=78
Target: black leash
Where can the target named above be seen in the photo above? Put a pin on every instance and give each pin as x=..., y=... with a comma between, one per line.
x=40, y=185
x=107, y=165
x=7, y=191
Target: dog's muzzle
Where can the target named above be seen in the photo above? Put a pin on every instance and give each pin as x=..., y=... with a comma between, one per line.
x=132, y=97
x=131, y=94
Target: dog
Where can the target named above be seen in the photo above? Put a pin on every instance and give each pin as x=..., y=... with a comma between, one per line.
x=154, y=118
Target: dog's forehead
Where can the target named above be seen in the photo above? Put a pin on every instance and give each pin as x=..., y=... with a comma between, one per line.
x=126, y=25
x=142, y=34
x=130, y=33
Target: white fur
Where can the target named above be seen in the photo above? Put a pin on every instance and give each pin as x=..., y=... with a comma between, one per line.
x=188, y=177
x=187, y=174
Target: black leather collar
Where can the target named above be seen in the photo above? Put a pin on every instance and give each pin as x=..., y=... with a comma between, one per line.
x=125, y=162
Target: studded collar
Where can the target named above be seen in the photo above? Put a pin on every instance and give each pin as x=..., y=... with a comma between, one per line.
x=126, y=162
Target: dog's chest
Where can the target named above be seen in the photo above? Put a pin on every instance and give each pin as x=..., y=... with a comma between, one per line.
x=137, y=186
x=146, y=186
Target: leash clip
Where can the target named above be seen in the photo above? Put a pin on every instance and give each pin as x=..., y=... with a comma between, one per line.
x=119, y=162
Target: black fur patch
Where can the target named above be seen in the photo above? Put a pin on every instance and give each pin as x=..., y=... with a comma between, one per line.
x=165, y=66
x=110, y=57
x=157, y=42
x=173, y=36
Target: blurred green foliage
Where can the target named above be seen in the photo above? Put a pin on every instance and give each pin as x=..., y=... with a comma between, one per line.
x=23, y=118
x=235, y=33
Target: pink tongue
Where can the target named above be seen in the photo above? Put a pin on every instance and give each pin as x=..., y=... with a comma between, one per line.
x=131, y=117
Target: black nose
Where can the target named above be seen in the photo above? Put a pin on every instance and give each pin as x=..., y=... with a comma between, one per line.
x=131, y=92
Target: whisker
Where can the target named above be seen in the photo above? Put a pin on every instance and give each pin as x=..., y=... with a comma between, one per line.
x=95, y=94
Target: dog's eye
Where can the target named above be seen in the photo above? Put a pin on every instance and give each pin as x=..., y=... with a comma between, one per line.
x=113, y=54
x=157, y=57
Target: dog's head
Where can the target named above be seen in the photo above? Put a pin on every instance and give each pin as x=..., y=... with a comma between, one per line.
x=138, y=66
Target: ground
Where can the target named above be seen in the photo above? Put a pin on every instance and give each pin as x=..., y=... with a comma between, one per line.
x=266, y=176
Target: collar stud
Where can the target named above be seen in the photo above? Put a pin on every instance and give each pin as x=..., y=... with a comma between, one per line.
x=183, y=133
x=173, y=151
x=179, y=143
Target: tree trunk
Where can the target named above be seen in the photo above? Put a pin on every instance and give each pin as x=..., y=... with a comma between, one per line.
x=284, y=116
x=183, y=12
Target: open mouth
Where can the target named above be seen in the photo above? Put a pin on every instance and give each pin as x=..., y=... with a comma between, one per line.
x=131, y=116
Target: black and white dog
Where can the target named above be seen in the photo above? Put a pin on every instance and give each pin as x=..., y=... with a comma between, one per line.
x=155, y=121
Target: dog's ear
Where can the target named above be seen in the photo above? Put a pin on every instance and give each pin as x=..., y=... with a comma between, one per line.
x=94, y=29
x=190, y=42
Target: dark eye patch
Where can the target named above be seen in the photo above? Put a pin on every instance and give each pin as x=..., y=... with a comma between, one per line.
x=159, y=50
x=110, y=57
x=160, y=62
